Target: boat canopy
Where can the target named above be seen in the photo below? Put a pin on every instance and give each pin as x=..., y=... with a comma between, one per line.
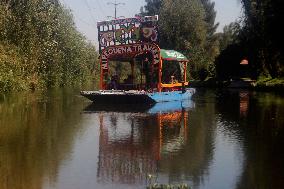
x=173, y=55
x=135, y=40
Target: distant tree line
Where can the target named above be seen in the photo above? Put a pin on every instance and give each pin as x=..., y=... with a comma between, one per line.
x=40, y=46
x=190, y=27
x=262, y=35
x=257, y=38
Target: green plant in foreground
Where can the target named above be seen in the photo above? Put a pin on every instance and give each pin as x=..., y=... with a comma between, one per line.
x=168, y=186
x=151, y=181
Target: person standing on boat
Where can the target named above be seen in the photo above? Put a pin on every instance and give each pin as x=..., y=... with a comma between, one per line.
x=114, y=82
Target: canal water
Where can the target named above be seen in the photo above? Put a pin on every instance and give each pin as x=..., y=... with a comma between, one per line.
x=229, y=139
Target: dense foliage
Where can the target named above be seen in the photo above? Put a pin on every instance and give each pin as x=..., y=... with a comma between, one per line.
x=227, y=64
x=259, y=40
x=263, y=35
x=189, y=27
x=40, y=46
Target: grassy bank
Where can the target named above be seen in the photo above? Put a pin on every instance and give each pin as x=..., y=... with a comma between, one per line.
x=262, y=83
x=270, y=84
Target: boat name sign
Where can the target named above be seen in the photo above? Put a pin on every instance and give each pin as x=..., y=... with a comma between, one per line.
x=130, y=49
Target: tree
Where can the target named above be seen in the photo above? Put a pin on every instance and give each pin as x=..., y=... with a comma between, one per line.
x=152, y=7
x=263, y=36
x=212, y=42
x=227, y=63
x=51, y=51
x=182, y=24
x=212, y=46
x=229, y=35
x=188, y=26
x=182, y=27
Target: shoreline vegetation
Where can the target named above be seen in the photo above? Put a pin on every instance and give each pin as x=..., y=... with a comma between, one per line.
x=263, y=84
x=41, y=48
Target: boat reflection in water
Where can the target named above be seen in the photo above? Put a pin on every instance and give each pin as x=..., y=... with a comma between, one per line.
x=133, y=139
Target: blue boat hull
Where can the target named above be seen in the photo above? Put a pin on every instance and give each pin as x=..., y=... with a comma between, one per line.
x=172, y=95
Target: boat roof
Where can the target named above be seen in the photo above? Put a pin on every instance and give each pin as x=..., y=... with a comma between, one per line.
x=173, y=55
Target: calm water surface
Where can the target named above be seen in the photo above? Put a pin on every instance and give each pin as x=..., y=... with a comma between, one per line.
x=219, y=140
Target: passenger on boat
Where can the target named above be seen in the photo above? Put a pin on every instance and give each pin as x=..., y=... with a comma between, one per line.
x=114, y=82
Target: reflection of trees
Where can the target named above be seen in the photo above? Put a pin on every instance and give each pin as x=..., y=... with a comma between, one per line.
x=264, y=141
x=178, y=143
x=262, y=136
x=36, y=135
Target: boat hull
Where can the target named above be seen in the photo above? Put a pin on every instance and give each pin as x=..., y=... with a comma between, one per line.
x=117, y=97
x=136, y=97
x=172, y=95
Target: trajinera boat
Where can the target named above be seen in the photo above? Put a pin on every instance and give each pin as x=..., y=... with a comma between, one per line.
x=133, y=68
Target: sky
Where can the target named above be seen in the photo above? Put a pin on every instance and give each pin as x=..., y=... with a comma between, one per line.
x=88, y=12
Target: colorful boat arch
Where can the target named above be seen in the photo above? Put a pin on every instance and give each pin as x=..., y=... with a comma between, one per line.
x=130, y=50
x=124, y=40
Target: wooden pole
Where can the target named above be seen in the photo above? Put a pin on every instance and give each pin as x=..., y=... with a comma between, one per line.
x=184, y=74
x=101, y=75
x=160, y=75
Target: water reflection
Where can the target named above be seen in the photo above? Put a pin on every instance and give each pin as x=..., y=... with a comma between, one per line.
x=244, y=103
x=263, y=143
x=221, y=139
x=164, y=140
x=37, y=132
x=132, y=145
x=259, y=128
x=122, y=157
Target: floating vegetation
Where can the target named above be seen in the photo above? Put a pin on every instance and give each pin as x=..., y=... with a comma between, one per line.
x=152, y=184
x=168, y=186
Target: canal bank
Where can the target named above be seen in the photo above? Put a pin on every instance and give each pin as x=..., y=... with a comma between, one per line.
x=263, y=84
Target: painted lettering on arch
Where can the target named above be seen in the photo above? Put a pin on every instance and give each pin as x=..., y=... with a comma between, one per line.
x=109, y=52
